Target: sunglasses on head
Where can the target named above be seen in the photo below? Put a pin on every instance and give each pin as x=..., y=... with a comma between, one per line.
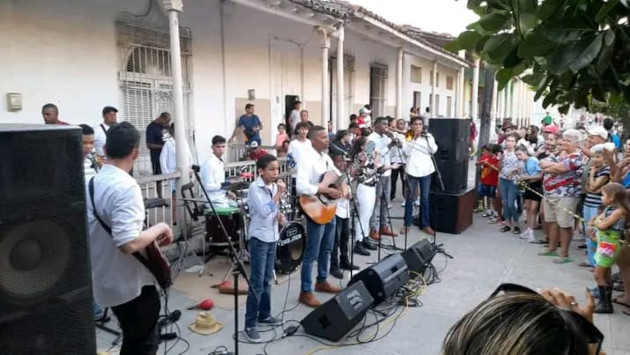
x=594, y=336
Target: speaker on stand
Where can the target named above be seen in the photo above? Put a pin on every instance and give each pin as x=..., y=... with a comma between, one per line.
x=45, y=277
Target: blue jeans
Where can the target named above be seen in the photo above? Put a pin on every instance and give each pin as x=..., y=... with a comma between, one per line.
x=424, y=184
x=319, y=244
x=591, y=246
x=509, y=193
x=262, y=261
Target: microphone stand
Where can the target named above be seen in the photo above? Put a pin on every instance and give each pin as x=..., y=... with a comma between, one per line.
x=353, y=212
x=238, y=267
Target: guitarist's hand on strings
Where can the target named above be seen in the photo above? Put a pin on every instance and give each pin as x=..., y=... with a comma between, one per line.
x=330, y=192
x=165, y=238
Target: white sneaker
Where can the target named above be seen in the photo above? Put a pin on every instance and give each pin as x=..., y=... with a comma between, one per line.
x=417, y=202
x=525, y=234
x=402, y=204
x=389, y=206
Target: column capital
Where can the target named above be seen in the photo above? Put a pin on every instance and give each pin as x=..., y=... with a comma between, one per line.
x=173, y=5
x=325, y=36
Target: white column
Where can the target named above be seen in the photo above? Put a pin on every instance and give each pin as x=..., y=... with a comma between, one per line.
x=461, y=90
x=325, y=99
x=510, y=93
x=495, y=101
x=475, y=91
x=173, y=7
x=433, y=101
x=399, y=83
x=341, y=116
x=505, y=100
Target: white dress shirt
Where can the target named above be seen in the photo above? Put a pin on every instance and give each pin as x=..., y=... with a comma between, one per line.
x=310, y=169
x=212, y=176
x=294, y=119
x=418, y=152
x=381, y=146
x=396, y=156
x=117, y=276
x=297, y=149
x=100, y=138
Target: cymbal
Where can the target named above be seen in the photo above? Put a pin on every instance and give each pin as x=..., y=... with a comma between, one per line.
x=235, y=185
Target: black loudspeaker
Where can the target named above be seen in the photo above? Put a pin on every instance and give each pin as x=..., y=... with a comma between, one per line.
x=418, y=256
x=335, y=318
x=452, y=213
x=451, y=136
x=384, y=278
x=45, y=277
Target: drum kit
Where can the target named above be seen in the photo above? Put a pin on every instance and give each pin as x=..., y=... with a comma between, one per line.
x=290, y=246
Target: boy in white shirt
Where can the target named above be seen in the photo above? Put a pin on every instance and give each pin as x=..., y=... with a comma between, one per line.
x=213, y=175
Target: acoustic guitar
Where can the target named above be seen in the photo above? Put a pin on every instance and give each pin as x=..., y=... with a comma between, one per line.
x=321, y=208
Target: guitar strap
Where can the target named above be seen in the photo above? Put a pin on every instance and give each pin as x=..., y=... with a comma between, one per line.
x=107, y=228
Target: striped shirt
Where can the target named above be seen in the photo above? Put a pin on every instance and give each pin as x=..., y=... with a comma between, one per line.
x=594, y=199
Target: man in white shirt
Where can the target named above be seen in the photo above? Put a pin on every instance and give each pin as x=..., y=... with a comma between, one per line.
x=313, y=165
x=397, y=127
x=382, y=146
x=419, y=169
x=213, y=175
x=100, y=132
x=298, y=146
x=119, y=280
x=294, y=117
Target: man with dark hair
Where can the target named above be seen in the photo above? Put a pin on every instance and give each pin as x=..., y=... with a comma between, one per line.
x=91, y=164
x=156, y=133
x=355, y=131
x=50, y=113
x=612, y=135
x=213, y=175
x=119, y=281
x=250, y=124
x=382, y=146
x=321, y=237
x=109, y=115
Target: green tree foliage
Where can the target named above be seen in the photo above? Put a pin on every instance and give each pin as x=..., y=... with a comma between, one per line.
x=567, y=50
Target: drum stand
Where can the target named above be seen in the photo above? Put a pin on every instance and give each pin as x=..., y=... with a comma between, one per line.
x=237, y=268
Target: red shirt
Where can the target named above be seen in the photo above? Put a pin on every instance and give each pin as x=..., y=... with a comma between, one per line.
x=489, y=176
x=253, y=155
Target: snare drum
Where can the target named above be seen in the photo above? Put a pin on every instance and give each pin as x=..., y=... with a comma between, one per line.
x=290, y=249
x=232, y=220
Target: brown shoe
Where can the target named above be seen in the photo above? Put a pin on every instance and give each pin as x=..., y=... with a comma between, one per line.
x=428, y=230
x=374, y=235
x=309, y=299
x=324, y=286
x=387, y=231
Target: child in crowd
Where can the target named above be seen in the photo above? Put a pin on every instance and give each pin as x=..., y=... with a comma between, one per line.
x=339, y=257
x=531, y=176
x=508, y=188
x=598, y=177
x=263, y=198
x=610, y=228
x=283, y=151
x=282, y=135
x=489, y=178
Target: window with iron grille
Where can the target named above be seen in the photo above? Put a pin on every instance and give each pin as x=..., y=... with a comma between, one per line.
x=416, y=74
x=449, y=83
x=378, y=83
x=145, y=80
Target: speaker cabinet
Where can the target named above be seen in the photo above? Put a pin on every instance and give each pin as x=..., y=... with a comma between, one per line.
x=335, y=318
x=452, y=212
x=452, y=157
x=45, y=278
x=383, y=279
x=418, y=256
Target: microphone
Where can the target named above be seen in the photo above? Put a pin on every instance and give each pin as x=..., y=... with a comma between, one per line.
x=195, y=168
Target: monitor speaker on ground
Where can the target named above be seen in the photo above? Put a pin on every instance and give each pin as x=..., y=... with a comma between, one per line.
x=418, y=256
x=45, y=282
x=335, y=318
x=451, y=136
x=452, y=212
x=384, y=278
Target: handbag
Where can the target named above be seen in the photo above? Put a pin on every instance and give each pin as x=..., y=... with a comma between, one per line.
x=155, y=261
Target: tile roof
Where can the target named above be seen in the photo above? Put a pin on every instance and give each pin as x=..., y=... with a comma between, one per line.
x=346, y=11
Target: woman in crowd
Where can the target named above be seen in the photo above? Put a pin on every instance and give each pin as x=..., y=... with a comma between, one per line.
x=341, y=143
x=509, y=168
x=363, y=169
x=531, y=176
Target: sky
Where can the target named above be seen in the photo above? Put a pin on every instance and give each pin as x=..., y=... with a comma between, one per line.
x=442, y=16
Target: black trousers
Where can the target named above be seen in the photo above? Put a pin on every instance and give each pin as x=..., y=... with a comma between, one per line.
x=395, y=174
x=138, y=321
x=340, y=248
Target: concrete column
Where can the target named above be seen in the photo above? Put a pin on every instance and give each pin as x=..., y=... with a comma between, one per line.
x=433, y=100
x=399, y=83
x=475, y=91
x=505, y=101
x=511, y=110
x=341, y=116
x=325, y=99
x=174, y=7
x=461, y=91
